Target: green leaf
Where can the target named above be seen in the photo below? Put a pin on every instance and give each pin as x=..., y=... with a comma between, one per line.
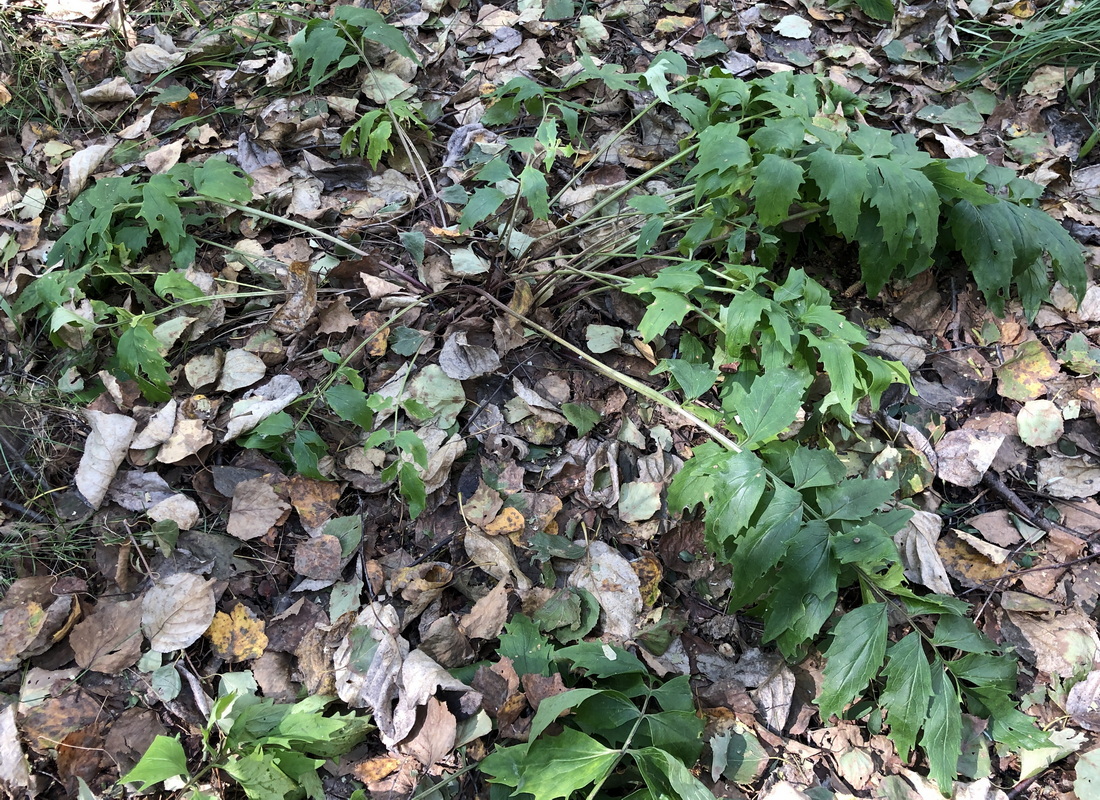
x=413, y=242
x=721, y=152
x=769, y=406
x=601, y=660
x=523, y=642
x=775, y=186
x=554, y=767
x=349, y=530
x=854, y=499
x=163, y=760
x=694, y=379
x=306, y=452
x=676, y=732
x=558, y=9
x=877, y=9
x=219, y=179
x=942, y=738
x=666, y=776
x=581, y=416
x=854, y=657
x=139, y=354
x=270, y=433
x=960, y=633
x=412, y=488
x=1087, y=781
x=1007, y=724
x=764, y=544
x=533, y=189
x=558, y=704
x=842, y=180
x=992, y=243
x=160, y=212
x=483, y=203
x=812, y=468
x=664, y=310
x=907, y=693
x=743, y=480
x=406, y=341
x=319, y=45
x=350, y=404
x=804, y=592
x=411, y=443
x=376, y=29
x=174, y=284
x=260, y=778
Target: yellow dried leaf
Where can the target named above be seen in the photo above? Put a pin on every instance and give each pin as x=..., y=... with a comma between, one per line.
x=375, y=769
x=237, y=636
x=509, y=520
x=675, y=24
x=649, y=572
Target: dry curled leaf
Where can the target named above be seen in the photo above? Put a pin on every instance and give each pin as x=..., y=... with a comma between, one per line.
x=109, y=640
x=177, y=611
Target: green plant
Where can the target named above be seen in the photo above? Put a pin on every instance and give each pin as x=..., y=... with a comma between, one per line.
x=96, y=264
x=804, y=539
x=328, y=46
x=372, y=136
x=272, y=750
x=624, y=731
x=776, y=164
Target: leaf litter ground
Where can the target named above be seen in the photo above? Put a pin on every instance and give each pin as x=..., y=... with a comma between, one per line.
x=514, y=507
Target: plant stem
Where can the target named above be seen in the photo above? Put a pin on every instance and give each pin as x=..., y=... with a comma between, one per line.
x=614, y=374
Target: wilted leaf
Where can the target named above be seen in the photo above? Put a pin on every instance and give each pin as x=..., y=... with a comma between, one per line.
x=509, y=520
x=1064, y=645
x=1062, y=743
x=965, y=455
x=639, y=500
x=1021, y=377
x=177, y=611
x=487, y=617
x=461, y=360
x=104, y=451
x=1039, y=423
x=319, y=558
x=608, y=576
x=260, y=403
x=1069, y=477
x=255, y=510
x=314, y=500
x=917, y=545
x=495, y=555
x=14, y=768
x=1083, y=703
x=301, y=302
x=241, y=369
x=110, y=639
